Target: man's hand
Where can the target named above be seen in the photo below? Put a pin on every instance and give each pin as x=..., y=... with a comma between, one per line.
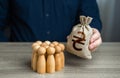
x=95, y=40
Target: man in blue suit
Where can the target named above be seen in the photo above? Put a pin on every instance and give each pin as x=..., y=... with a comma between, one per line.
x=31, y=20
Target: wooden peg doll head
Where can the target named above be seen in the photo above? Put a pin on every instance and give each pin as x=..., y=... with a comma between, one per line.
x=62, y=46
x=48, y=42
x=58, y=49
x=35, y=48
x=44, y=45
x=39, y=42
x=34, y=44
x=51, y=45
x=55, y=43
x=50, y=50
x=41, y=50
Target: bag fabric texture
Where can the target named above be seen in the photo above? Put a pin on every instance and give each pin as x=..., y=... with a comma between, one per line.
x=78, y=40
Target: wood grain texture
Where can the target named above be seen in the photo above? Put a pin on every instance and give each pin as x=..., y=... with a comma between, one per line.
x=15, y=63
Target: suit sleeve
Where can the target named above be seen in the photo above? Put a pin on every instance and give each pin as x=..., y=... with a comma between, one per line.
x=3, y=19
x=90, y=8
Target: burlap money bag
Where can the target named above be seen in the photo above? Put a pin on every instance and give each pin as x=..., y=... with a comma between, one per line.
x=78, y=40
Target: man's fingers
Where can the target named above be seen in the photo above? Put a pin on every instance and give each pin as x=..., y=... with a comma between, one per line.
x=95, y=36
x=95, y=44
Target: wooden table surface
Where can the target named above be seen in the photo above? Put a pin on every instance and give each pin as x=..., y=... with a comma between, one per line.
x=15, y=63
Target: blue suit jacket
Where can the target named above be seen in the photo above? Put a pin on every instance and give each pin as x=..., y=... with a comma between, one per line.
x=31, y=20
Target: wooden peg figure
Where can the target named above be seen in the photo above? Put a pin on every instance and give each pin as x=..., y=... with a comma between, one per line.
x=51, y=45
x=48, y=42
x=50, y=60
x=44, y=44
x=62, y=46
x=58, y=58
x=62, y=59
x=62, y=54
x=39, y=42
x=47, y=57
x=55, y=43
x=34, y=44
x=34, y=58
x=41, y=63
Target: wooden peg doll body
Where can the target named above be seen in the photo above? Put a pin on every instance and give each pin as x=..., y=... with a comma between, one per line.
x=41, y=63
x=62, y=54
x=50, y=60
x=58, y=58
x=34, y=57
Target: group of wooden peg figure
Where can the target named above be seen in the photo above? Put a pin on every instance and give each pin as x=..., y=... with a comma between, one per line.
x=47, y=57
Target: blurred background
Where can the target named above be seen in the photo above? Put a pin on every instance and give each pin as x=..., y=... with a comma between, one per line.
x=110, y=16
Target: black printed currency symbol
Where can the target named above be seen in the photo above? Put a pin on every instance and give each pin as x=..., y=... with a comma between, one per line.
x=78, y=40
